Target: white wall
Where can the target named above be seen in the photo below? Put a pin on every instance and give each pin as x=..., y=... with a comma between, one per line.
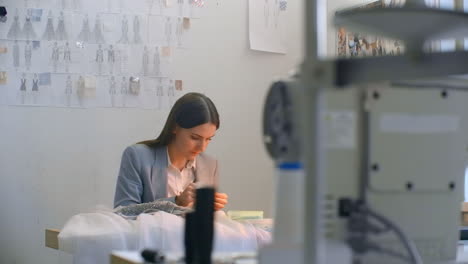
x=57, y=162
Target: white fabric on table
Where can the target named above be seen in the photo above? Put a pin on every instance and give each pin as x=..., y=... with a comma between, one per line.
x=91, y=237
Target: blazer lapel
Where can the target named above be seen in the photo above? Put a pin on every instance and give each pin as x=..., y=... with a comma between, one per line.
x=159, y=173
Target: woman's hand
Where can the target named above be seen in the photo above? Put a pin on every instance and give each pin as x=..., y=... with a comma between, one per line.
x=187, y=197
x=220, y=200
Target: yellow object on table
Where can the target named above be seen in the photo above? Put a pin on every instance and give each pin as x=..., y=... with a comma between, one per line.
x=245, y=215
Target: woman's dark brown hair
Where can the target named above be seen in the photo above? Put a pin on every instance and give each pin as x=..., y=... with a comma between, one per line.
x=190, y=110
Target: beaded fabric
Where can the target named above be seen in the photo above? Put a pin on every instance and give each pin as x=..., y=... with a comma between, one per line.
x=132, y=211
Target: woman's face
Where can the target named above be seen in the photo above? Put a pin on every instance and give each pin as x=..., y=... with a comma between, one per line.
x=190, y=142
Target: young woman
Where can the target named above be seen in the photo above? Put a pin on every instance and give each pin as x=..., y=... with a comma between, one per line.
x=170, y=166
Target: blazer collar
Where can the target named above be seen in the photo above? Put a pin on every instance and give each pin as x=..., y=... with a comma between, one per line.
x=160, y=159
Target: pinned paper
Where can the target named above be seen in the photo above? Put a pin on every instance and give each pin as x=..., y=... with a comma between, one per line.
x=340, y=128
x=267, y=27
x=44, y=79
x=35, y=14
x=198, y=3
x=86, y=87
x=90, y=82
x=283, y=5
x=3, y=77
x=36, y=44
x=80, y=44
x=166, y=51
x=135, y=85
x=178, y=85
x=186, y=23
x=3, y=50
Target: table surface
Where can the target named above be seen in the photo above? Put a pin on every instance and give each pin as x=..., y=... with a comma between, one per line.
x=134, y=257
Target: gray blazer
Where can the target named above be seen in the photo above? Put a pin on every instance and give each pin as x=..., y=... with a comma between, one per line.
x=143, y=175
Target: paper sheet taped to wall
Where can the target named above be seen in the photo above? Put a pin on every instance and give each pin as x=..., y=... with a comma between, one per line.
x=267, y=25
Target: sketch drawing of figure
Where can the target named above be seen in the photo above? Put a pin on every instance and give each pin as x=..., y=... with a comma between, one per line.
x=76, y=4
x=168, y=30
x=99, y=54
x=55, y=56
x=171, y=92
x=160, y=4
x=99, y=58
x=266, y=12
x=35, y=88
x=191, y=4
x=28, y=30
x=124, y=38
x=180, y=3
x=67, y=53
x=276, y=13
x=35, y=81
x=27, y=55
x=85, y=32
x=109, y=5
x=156, y=62
x=145, y=60
x=123, y=90
x=68, y=90
x=123, y=60
x=179, y=31
x=15, y=28
x=16, y=54
x=149, y=4
x=111, y=58
x=136, y=30
x=23, y=89
x=159, y=93
x=121, y=6
x=112, y=90
x=49, y=33
x=114, y=6
x=67, y=56
x=98, y=37
x=61, y=32
x=80, y=89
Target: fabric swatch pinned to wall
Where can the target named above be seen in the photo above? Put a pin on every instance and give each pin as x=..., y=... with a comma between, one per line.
x=3, y=78
x=86, y=87
x=134, y=84
x=178, y=85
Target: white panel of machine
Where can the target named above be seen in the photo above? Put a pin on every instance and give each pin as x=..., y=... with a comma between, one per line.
x=416, y=132
x=410, y=133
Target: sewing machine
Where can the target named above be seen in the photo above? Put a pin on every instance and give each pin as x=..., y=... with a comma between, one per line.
x=370, y=161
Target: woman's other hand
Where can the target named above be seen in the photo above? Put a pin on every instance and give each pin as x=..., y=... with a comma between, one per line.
x=221, y=199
